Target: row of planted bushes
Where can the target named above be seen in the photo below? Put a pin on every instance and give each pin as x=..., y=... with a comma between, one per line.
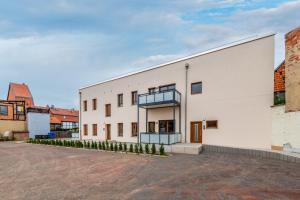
x=104, y=145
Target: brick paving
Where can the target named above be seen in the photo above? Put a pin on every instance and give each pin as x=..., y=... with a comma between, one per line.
x=29, y=171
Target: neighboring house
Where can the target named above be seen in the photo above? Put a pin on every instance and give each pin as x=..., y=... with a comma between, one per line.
x=20, y=92
x=63, y=119
x=286, y=109
x=38, y=121
x=13, y=119
x=219, y=97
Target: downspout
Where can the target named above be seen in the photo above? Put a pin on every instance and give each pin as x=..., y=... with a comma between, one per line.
x=185, y=101
x=80, y=138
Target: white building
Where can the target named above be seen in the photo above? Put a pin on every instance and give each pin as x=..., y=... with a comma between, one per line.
x=38, y=121
x=219, y=97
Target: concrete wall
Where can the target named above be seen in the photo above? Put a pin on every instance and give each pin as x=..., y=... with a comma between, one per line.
x=13, y=125
x=38, y=124
x=292, y=71
x=285, y=127
x=237, y=91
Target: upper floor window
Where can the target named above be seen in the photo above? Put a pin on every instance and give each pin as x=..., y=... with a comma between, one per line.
x=166, y=87
x=120, y=100
x=107, y=110
x=151, y=90
x=3, y=110
x=134, y=98
x=85, y=105
x=196, y=88
x=94, y=104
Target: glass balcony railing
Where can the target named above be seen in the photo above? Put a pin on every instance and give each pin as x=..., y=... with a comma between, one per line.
x=160, y=138
x=161, y=97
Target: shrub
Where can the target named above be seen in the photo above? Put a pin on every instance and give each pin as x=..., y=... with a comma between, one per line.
x=147, y=149
x=100, y=145
x=116, y=147
x=120, y=147
x=153, y=149
x=125, y=147
x=88, y=145
x=162, y=149
x=111, y=146
x=103, y=145
x=141, y=149
x=107, y=144
x=96, y=145
x=131, y=148
x=84, y=143
x=136, y=148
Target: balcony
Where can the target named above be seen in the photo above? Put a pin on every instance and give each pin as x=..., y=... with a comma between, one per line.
x=160, y=138
x=159, y=99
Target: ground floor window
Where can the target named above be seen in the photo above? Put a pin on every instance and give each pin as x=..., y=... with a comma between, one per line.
x=134, y=129
x=166, y=126
x=3, y=110
x=120, y=129
x=94, y=129
x=85, y=129
x=211, y=124
x=151, y=127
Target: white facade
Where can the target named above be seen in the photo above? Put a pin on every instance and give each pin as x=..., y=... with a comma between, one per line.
x=237, y=91
x=38, y=123
x=285, y=127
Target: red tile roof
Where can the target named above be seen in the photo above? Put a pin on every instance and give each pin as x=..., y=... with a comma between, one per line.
x=58, y=115
x=20, y=92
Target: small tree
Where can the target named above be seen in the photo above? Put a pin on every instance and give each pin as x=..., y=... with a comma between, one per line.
x=147, y=149
x=125, y=147
x=116, y=147
x=88, y=145
x=153, y=149
x=141, y=149
x=131, y=148
x=120, y=147
x=100, y=145
x=162, y=149
x=111, y=146
x=107, y=144
x=136, y=148
x=103, y=145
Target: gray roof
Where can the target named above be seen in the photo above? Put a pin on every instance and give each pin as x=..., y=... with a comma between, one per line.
x=232, y=44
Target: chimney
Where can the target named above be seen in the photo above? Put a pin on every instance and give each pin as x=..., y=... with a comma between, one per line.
x=292, y=70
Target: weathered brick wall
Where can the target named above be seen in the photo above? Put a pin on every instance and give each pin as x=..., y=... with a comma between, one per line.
x=292, y=71
x=279, y=78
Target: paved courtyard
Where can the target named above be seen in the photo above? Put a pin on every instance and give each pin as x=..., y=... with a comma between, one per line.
x=29, y=171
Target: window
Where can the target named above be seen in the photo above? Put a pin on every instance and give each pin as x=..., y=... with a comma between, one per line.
x=196, y=88
x=94, y=129
x=151, y=127
x=94, y=104
x=3, y=110
x=120, y=100
x=107, y=110
x=20, y=109
x=69, y=125
x=166, y=126
x=85, y=105
x=120, y=129
x=134, y=129
x=134, y=98
x=85, y=129
x=151, y=90
x=166, y=87
x=212, y=124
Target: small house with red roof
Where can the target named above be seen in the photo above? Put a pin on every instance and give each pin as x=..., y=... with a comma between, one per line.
x=63, y=119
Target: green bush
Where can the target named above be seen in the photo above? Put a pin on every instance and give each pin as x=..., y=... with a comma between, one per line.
x=120, y=147
x=84, y=144
x=107, y=144
x=141, y=149
x=125, y=147
x=136, y=148
x=111, y=146
x=96, y=145
x=100, y=145
x=162, y=149
x=153, y=149
x=147, y=149
x=131, y=148
x=88, y=145
x=103, y=145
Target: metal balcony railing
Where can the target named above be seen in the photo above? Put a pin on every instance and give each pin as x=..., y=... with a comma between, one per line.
x=168, y=97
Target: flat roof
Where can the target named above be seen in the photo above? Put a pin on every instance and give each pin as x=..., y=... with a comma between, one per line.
x=229, y=45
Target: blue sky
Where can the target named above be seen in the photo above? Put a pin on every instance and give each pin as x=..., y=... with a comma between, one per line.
x=58, y=46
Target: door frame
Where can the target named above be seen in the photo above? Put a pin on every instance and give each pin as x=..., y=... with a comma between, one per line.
x=200, y=139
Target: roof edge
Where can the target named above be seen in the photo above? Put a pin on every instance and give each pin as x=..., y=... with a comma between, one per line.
x=229, y=45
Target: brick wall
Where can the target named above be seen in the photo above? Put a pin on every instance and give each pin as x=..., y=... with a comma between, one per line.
x=279, y=78
x=292, y=70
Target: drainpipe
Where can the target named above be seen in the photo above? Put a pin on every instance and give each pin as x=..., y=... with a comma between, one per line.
x=79, y=116
x=185, y=101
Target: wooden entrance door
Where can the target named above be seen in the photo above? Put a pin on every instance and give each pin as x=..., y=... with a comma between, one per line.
x=108, y=135
x=196, y=132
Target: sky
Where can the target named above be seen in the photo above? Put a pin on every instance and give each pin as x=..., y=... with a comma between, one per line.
x=58, y=46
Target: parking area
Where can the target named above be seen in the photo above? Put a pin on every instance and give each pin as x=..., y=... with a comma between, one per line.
x=31, y=171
